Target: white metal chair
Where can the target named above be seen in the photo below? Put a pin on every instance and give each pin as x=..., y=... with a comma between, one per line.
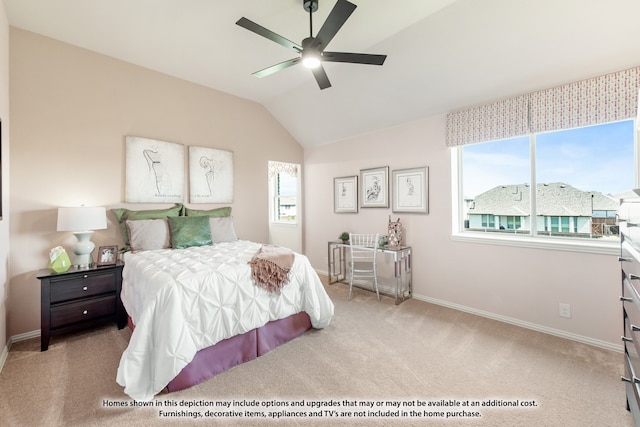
x=362, y=264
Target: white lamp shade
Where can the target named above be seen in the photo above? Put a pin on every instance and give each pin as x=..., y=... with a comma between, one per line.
x=82, y=218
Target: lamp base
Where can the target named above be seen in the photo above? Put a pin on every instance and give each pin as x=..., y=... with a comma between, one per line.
x=83, y=249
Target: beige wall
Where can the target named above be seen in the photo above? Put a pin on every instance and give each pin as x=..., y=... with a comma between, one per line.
x=520, y=285
x=4, y=155
x=71, y=109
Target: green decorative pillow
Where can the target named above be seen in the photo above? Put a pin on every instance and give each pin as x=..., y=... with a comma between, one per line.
x=122, y=215
x=189, y=231
x=211, y=213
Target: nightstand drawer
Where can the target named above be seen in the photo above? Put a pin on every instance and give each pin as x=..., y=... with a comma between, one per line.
x=66, y=314
x=82, y=286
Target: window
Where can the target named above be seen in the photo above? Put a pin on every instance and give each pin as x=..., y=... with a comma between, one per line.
x=488, y=221
x=564, y=184
x=283, y=179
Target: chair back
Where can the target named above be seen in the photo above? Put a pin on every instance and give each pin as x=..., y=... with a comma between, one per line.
x=362, y=265
x=364, y=240
x=363, y=250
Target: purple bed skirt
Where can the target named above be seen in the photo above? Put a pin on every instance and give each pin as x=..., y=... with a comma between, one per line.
x=233, y=351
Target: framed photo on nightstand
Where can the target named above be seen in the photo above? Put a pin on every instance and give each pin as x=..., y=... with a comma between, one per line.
x=107, y=255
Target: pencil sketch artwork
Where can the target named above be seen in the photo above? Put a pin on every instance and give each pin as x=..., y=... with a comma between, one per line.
x=345, y=194
x=410, y=193
x=210, y=175
x=374, y=187
x=154, y=171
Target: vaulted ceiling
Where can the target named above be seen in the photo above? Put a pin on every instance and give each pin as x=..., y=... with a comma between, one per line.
x=442, y=54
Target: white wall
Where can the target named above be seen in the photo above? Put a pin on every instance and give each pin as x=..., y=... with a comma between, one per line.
x=517, y=284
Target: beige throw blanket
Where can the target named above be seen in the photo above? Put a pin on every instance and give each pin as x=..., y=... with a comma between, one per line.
x=270, y=267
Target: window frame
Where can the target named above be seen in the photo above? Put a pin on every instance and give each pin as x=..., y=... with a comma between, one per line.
x=531, y=240
x=275, y=198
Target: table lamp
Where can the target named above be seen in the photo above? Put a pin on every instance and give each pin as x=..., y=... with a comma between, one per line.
x=82, y=221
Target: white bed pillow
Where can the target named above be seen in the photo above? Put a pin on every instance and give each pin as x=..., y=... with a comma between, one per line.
x=148, y=234
x=222, y=229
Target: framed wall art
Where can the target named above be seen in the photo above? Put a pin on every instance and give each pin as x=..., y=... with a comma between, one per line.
x=410, y=188
x=210, y=175
x=345, y=194
x=154, y=171
x=374, y=187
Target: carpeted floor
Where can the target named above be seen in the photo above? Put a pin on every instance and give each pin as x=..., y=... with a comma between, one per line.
x=432, y=361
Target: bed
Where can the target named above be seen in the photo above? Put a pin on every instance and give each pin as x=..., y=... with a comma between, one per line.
x=196, y=311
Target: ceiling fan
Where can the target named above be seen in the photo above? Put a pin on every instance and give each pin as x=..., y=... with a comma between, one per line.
x=311, y=52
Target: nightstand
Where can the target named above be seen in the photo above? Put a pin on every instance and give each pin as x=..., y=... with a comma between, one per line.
x=79, y=299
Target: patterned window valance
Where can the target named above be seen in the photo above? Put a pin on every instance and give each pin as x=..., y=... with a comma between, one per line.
x=281, y=167
x=503, y=119
x=603, y=99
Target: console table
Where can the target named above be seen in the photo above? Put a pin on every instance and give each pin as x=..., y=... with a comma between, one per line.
x=337, y=271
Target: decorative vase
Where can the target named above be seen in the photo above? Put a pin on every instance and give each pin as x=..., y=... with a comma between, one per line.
x=60, y=261
x=395, y=234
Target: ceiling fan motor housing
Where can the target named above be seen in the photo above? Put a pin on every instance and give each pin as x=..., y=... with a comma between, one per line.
x=310, y=5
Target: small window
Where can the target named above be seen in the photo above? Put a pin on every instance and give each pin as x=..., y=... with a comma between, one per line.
x=283, y=179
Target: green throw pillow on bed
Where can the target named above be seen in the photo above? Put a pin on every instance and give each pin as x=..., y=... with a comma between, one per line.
x=211, y=213
x=189, y=231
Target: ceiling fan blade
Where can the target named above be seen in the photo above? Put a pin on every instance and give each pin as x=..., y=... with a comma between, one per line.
x=336, y=19
x=260, y=30
x=274, y=68
x=355, y=58
x=321, y=77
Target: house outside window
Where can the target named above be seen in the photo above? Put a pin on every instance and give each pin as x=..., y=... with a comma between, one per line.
x=599, y=159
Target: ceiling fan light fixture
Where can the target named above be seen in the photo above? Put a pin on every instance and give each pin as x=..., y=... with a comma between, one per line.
x=311, y=60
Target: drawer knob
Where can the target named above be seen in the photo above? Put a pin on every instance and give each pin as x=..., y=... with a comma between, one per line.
x=634, y=328
x=632, y=380
x=85, y=276
x=85, y=312
x=634, y=277
x=84, y=288
x=623, y=259
x=626, y=339
x=627, y=299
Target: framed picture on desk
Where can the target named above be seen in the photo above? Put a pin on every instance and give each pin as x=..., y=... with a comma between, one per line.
x=345, y=194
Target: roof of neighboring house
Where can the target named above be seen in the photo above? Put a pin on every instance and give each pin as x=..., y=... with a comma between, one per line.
x=553, y=199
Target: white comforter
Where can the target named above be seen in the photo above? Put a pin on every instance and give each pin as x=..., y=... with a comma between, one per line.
x=183, y=300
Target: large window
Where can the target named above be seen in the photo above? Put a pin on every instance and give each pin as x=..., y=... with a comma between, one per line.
x=564, y=184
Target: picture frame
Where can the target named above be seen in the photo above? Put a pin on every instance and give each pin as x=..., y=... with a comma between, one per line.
x=210, y=175
x=410, y=189
x=154, y=171
x=345, y=194
x=107, y=255
x=374, y=187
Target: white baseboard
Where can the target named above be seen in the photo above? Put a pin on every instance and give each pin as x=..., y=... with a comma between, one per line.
x=517, y=322
x=16, y=338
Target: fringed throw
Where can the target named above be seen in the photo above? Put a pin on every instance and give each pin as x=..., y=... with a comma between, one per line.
x=270, y=267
